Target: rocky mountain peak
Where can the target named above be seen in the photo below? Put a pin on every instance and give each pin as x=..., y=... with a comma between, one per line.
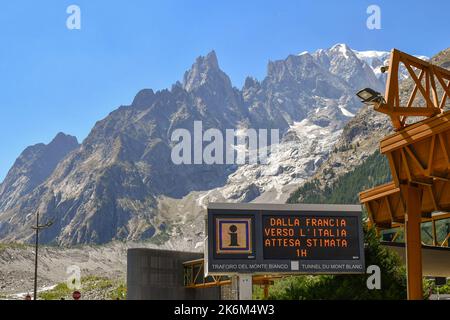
x=211, y=60
x=143, y=98
x=33, y=167
x=205, y=70
x=62, y=140
x=350, y=65
x=293, y=68
x=251, y=83
x=343, y=49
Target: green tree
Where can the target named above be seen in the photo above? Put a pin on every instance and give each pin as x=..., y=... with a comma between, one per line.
x=372, y=172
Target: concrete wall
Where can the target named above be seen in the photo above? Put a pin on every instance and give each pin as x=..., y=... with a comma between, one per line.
x=158, y=275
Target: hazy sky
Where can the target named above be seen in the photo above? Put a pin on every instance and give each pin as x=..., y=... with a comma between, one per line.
x=54, y=79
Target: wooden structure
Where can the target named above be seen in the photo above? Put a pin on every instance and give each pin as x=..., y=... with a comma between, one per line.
x=418, y=157
x=194, y=277
x=428, y=97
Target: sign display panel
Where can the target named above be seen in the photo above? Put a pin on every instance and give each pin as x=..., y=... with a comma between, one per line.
x=268, y=238
x=318, y=237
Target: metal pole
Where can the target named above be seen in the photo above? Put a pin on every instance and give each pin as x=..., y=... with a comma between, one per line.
x=36, y=257
x=433, y=224
x=413, y=243
x=245, y=286
x=234, y=287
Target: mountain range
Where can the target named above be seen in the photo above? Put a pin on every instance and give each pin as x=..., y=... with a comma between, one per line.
x=120, y=182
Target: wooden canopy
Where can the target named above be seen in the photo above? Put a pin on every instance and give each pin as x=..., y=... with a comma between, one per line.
x=418, y=154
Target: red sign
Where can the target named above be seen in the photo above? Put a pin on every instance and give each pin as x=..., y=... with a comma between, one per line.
x=76, y=295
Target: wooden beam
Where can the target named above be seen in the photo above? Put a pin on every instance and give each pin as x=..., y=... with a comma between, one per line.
x=409, y=111
x=433, y=87
x=378, y=192
x=393, y=168
x=431, y=155
x=405, y=164
x=416, y=132
x=445, y=86
x=421, y=89
x=443, y=144
x=433, y=199
x=414, y=92
x=392, y=80
x=370, y=214
x=414, y=158
x=388, y=205
x=444, y=96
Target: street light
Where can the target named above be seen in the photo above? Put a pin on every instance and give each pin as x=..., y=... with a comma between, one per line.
x=370, y=96
x=37, y=228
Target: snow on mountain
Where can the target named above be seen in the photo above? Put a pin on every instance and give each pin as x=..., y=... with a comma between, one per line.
x=342, y=62
x=302, y=151
x=376, y=59
x=345, y=112
x=342, y=48
x=369, y=55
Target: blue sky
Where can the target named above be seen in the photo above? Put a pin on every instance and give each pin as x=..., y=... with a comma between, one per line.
x=54, y=79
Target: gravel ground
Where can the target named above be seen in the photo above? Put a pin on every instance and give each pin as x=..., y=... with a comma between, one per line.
x=106, y=261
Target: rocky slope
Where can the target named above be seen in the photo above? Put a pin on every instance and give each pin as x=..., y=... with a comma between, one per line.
x=32, y=167
x=17, y=261
x=360, y=138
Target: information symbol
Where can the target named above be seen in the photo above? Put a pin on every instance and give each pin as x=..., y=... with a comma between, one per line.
x=233, y=236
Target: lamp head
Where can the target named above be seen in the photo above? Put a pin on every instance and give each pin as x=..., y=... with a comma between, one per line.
x=370, y=96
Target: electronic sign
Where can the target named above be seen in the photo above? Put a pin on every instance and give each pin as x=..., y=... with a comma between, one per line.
x=271, y=238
